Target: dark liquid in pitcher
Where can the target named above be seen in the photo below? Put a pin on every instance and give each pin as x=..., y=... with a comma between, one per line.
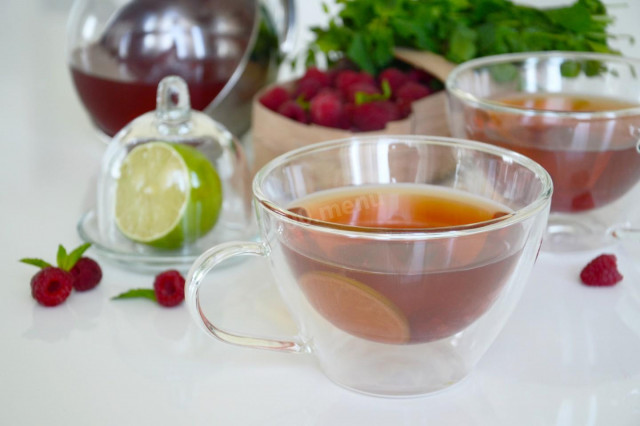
x=115, y=91
x=117, y=75
x=408, y=291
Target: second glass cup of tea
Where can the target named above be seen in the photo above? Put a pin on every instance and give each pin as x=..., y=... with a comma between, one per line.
x=400, y=258
x=578, y=115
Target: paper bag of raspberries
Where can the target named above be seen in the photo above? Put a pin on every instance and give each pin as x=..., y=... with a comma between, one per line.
x=340, y=103
x=326, y=105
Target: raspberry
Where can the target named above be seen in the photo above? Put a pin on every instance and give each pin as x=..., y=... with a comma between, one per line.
x=394, y=77
x=360, y=87
x=51, y=286
x=169, y=288
x=412, y=91
x=333, y=75
x=419, y=76
x=314, y=74
x=409, y=93
x=583, y=201
x=601, y=271
x=346, y=78
x=293, y=110
x=86, y=274
x=373, y=115
x=404, y=108
x=274, y=98
x=307, y=89
x=326, y=109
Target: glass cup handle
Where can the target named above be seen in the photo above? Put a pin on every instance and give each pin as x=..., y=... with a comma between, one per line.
x=201, y=267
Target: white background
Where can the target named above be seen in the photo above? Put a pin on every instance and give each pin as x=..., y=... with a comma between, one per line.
x=568, y=356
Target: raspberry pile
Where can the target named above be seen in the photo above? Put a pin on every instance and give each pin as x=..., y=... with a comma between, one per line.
x=52, y=285
x=601, y=271
x=348, y=99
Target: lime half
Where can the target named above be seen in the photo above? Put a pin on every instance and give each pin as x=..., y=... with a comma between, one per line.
x=167, y=195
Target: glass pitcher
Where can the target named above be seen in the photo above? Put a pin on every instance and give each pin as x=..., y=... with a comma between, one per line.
x=119, y=50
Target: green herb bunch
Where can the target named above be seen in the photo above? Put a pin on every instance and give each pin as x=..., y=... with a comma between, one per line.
x=366, y=31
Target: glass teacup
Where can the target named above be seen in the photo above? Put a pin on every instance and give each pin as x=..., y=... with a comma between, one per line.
x=391, y=302
x=578, y=115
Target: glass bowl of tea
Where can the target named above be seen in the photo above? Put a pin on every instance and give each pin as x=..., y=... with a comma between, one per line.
x=575, y=113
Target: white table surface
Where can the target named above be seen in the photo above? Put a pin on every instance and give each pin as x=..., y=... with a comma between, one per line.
x=570, y=355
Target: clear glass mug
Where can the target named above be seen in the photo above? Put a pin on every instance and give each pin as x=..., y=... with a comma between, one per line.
x=394, y=312
x=575, y=113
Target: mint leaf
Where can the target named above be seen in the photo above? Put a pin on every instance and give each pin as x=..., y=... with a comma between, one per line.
x=503, y=72
x=462, y=45
x=305, y=105
x=574, y=18
x=75, y=255
x=382, y=42
x=61, y=257
x=35, y=262
x=359, y=53
x=593, y=68
x=570, y=69
x=365, y=98
x=137, y=293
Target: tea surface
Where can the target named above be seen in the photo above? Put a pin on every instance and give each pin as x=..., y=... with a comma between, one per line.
x=565, y=102
x=398, y=207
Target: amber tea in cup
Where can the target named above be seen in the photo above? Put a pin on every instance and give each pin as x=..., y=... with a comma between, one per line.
x=400, y=258
x=347, y=281
x=583, y=179
x=577, y=114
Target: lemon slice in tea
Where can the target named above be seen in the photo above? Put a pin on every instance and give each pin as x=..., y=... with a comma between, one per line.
x=167, y=195
x=355, y=307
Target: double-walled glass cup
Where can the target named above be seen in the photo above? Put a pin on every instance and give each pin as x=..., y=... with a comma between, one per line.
x=396, y=311
x=575, y=113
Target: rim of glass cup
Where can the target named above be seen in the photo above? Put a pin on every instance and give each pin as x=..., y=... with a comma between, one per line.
x=454, y=90
x=544, y=198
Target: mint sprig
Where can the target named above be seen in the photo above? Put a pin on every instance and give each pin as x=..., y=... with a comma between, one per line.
x=137, y=293
x=64, y=260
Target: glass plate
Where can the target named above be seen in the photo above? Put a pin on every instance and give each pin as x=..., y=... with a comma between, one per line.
x=141, y=258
